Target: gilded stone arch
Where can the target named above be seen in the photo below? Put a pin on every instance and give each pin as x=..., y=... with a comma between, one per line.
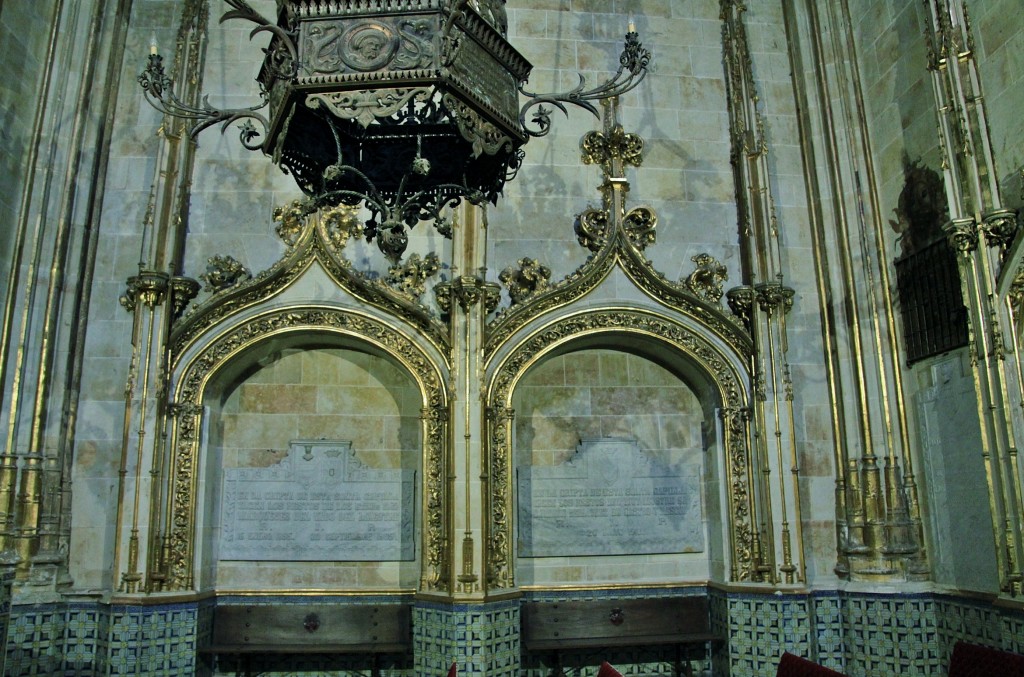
x=176, y=515
x=725, y=387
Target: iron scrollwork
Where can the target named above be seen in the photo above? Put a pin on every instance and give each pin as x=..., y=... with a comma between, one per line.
x=633, y=62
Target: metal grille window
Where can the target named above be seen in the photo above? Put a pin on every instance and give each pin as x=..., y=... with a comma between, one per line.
x=934, y=317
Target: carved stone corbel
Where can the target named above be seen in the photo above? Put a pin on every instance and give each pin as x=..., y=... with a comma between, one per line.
x=741, y=302
x=183, y=290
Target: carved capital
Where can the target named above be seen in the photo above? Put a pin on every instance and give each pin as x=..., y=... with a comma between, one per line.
x=963, y=235
x=772, y=296
x=149, y=288
x=183, y=290
x=999, y=227
x=741, y=302
x=443, y=296
x=466, y=290
x=492, y=296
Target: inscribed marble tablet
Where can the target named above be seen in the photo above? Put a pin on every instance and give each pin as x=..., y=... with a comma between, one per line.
x=609, y=499
x=318, y=504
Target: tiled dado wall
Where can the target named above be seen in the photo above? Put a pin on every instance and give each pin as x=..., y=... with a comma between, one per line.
x=86, y=638
x=859, y=634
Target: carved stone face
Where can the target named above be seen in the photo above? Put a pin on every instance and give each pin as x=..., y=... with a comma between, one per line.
x=369, y=47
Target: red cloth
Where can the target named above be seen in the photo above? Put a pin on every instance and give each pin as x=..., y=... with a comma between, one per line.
x=608, y=671
x=971, y=659
x=453, y=670
x=791, y=665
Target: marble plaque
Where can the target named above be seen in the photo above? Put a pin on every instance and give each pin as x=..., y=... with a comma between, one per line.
x=319, y=503
x=609, y=499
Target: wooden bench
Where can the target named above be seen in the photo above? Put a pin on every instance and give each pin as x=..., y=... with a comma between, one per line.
x=608, y=624
x=248, y=631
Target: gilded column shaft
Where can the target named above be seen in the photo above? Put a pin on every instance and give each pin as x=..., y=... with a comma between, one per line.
x=775, y=454
x=861, y=351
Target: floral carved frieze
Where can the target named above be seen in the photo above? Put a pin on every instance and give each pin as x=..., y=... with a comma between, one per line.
x=337, y=46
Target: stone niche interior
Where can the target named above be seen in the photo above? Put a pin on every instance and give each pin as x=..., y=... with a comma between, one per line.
x=601, y=393
x=282, y=392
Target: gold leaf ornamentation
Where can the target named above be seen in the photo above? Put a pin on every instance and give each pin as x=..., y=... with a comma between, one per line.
x=706, y=281
x=530, y=278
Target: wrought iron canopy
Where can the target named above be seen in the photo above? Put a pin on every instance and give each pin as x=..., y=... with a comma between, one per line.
x=403, y=106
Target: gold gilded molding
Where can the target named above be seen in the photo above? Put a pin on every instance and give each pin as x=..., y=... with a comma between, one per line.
x=310, y=236
x=189, y=391
x=717, y=365
x=436, y=574
x=500, y=573
x=746, y=555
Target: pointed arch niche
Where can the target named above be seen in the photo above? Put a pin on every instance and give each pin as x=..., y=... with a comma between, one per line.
x=643, y=386
x=319, y=375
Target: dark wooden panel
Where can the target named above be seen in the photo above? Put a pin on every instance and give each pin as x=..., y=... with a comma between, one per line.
x=310, y=629
x=564, y=625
